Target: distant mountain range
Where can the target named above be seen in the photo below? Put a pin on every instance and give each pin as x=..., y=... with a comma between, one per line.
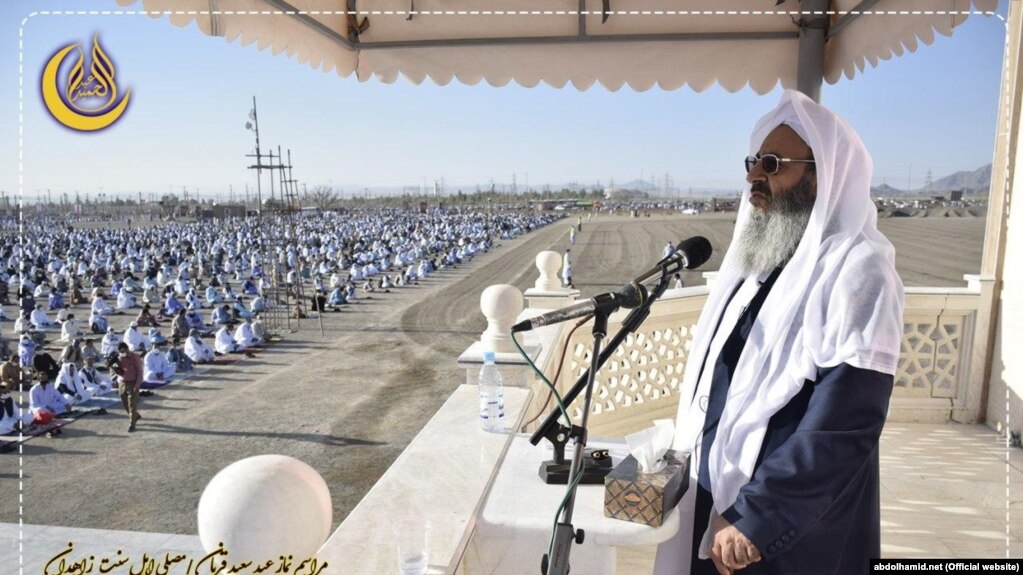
x=976, y=181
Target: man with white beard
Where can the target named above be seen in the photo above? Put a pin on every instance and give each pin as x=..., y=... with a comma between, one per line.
x=791, y=369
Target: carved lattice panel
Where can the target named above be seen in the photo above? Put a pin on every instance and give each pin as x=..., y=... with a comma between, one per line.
x=647, y=368
x=931, y=357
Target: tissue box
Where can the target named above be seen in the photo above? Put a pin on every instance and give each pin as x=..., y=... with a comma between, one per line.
x=645, y=498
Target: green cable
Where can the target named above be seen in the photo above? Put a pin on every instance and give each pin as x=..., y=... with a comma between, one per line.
x=564, y=413
x=557, y=396
x=564, y=502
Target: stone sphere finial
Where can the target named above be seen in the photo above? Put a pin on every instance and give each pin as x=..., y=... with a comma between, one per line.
x=548, y=263
x=264, y=507
x=501, y=304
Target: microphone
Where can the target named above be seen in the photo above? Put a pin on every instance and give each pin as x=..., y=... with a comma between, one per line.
x=689, y=254
x=630, y=296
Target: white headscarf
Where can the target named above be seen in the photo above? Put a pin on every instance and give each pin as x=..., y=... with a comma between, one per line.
x=838, y=300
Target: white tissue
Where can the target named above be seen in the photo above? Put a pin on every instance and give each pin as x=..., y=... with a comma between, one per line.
x=650, y=445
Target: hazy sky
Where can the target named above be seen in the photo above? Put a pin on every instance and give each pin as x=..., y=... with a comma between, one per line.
x=930, y=110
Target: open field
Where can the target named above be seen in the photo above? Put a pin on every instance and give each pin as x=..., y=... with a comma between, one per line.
x=349, y=402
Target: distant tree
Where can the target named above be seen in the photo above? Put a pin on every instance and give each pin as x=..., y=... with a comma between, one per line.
x=323, y=197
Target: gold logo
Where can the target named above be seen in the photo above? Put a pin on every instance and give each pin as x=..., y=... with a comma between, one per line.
x=86, y=103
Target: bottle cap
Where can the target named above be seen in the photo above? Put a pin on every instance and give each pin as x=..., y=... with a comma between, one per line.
x=489, y=357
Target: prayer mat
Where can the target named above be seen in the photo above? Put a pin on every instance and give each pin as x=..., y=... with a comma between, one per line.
x=101, y=402
x=11, y=441
x=154, y=384
x=81, y=411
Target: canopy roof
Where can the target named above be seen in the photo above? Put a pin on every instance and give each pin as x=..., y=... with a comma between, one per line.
x=641, y=43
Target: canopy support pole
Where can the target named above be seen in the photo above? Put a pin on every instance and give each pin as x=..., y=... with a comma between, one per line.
x=813, y=31
x=998, y=318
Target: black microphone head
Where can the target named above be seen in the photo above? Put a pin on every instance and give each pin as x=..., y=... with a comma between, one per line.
x=631, y=295
x=697, y=251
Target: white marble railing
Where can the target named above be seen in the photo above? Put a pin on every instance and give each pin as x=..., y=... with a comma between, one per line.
x=938, y=378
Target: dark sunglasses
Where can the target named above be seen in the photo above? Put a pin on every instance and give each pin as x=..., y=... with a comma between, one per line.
x=770, y=162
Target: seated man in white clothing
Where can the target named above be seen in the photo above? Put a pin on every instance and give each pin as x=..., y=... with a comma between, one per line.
x=23, y=324
x=62, y=314
x=151, y=294
x=156, y=368
x=96, y=382
x=134, y=338
x=258, y=305
x=156, y=337
x=244, y=336
x=98, y=323
x=27, y=349
x=192, y=300
x=213, y=297
x=45, y=401
x=71, y=385
x=70, y=329
x=99, y=305
x=224, y=343
x=196, y=349
x=109, y=343
x=259, y=330
x=126, y=300
x=39, y=318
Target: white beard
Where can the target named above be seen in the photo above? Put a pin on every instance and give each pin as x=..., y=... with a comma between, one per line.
x=772, y=236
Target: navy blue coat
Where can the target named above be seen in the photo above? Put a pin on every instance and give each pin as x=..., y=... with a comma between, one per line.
x=813, y=504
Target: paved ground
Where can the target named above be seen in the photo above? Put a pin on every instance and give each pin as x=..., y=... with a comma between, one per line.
x=349, y=402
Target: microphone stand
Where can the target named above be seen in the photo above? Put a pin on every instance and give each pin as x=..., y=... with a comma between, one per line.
x=564, y=534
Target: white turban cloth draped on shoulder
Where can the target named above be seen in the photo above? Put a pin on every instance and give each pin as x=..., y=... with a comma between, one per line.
x=838, y=300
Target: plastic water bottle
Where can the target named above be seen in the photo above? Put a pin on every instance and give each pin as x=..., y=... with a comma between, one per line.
x=491, y=394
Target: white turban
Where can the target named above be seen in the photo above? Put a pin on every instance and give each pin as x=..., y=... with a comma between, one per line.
x=838, y=300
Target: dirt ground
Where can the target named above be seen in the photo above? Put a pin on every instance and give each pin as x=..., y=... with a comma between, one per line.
x=349, y=402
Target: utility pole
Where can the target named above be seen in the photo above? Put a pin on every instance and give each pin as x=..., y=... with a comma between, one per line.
x=259, y=162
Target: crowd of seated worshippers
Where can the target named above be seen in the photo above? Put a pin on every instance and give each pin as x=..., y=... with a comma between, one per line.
x=135, y=273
